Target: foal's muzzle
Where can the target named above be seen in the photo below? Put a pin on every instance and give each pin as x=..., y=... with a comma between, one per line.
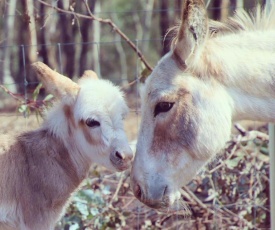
x=121, y=159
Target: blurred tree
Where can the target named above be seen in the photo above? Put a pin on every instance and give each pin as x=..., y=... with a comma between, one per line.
x=8, y=39
x=67, y=34
x=88, y=32
x=225, y=8
x=146, y=22
x=66, y=42
x=164, y=25
x=216, y=6
x=31, y=39
x=178, y=5
x=96, y=38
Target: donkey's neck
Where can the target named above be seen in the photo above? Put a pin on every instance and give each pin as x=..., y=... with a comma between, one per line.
x=245, y=64
x=251, y=107
x=245, y=61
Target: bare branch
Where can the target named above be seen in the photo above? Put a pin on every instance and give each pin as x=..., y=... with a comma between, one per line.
x=11, y=94
x=104, y=21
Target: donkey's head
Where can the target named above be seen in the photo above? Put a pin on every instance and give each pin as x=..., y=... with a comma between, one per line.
x=88, y=118
x=186, y=118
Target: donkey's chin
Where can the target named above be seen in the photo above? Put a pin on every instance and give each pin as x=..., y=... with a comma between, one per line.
x=179, y=207
x=168, y=202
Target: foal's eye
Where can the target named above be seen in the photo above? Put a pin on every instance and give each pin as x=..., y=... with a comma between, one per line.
x=163, y=107
x=92, y=123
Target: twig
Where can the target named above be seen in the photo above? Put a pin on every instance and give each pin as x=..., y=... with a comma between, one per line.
x=232, y=152
x=240, y=129
x=12, y=94
x=105, y=21
x=117, y=189
x=250, y=225
x=35, y=104
x=198, y=201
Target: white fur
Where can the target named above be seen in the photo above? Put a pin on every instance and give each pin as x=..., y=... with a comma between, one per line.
x=224, y=77
x=41, y=169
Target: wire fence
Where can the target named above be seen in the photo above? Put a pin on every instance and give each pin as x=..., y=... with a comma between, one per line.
x=254, y=205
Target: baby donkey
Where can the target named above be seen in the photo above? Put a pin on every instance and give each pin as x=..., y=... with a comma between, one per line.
x=41, y=169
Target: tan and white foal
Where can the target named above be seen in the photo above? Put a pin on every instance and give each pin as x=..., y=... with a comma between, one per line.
x=41, y=169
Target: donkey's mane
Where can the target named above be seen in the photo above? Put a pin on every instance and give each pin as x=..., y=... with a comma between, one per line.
x=257, y=19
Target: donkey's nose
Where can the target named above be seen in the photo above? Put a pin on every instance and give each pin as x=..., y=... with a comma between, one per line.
x=154, y=196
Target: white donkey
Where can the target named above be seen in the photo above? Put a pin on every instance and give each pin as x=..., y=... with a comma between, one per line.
x=41, y=169
x=214, y=74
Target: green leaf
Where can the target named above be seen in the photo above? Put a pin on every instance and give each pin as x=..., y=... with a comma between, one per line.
x=36, y=91
x=144, y=74
x=231, y=164
x=22, y=108
x=48, y=97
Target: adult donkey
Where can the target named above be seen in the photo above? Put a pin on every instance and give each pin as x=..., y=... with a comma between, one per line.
x=215, y=73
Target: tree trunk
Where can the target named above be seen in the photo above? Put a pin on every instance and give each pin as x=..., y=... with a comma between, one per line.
x=96, y=47
x=32, y=39
x=43, y=52
x=240, y=4
x=216, y=9
x=178, y=5
x=164, y=25
x=6, y=54
x=28, y=50
x=49, y=34
x=225, y=9
x=86, y=32
x=147, y=22
x=66, y=50
x=122, y=59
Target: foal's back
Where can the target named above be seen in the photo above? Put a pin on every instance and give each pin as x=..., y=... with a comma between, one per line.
x=37, y=176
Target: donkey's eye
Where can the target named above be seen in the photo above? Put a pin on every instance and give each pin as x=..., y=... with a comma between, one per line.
x=163, y=107
x=92, y=123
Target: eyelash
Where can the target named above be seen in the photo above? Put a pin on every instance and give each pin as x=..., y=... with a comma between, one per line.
x=92, y=123
x=162, y=107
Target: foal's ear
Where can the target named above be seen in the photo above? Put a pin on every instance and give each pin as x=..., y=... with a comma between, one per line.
x=88, y=74
x=55, y=83
x=192, y=31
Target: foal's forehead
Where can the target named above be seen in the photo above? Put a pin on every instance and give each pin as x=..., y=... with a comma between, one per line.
x=100, y=96
x=103, y=91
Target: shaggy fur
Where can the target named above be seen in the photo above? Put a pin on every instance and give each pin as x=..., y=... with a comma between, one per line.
x=214, y=74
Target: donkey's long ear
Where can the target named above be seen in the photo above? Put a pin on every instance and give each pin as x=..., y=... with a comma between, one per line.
x=193, y=30
x=55, y=83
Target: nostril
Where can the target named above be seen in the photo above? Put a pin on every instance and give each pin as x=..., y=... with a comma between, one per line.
x=164, y=191
x=119, y=155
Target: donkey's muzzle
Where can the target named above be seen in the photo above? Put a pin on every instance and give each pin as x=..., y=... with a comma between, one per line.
x=155, y=196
